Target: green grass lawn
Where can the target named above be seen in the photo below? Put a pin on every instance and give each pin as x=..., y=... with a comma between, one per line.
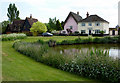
x=17, y=67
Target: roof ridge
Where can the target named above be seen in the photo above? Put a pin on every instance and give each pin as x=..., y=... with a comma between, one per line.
x=93, y=18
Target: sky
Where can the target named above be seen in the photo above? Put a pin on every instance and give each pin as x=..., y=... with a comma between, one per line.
x=45, y=9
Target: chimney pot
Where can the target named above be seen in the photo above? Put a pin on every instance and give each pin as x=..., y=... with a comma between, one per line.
x=87, y=14
x=30, y=15
x=77, y=13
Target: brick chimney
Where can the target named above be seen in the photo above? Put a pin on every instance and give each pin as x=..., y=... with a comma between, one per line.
x=30, y=15
x=77, y=13
x=87, y=15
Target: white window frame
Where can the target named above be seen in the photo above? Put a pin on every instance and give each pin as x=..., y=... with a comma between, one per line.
x=97, y=24
x=82, y=24
x=84, y=31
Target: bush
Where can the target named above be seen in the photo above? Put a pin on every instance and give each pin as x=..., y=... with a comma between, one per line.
x=54, y=32
x=13, y=36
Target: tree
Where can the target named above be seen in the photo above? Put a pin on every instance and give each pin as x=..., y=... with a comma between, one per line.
x=62, y=23
x=52, y=24
x=58, y=25
x=4, y=25
x=38, y=27
x=13, y=13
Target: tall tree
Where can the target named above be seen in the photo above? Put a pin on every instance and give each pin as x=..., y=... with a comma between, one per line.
x=13, y=13
x=58, y=25
x=52, y=23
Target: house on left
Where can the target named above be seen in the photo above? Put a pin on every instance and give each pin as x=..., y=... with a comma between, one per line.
x=21, y=25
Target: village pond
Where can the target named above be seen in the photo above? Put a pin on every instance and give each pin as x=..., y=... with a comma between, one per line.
x=113, y=50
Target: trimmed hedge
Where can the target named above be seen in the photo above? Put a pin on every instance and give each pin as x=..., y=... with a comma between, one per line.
x=97, y=64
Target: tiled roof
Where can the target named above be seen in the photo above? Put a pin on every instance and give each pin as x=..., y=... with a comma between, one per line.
x=18, y=21
x=93, y=18
x=31, y=20
x=75, y=16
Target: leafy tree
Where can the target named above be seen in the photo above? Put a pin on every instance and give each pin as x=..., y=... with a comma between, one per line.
x=38, y=27
x=48, y=27
x=58, y=25
x=52, y=24
x=4, y=25
x=62, y=23
x=13, y=13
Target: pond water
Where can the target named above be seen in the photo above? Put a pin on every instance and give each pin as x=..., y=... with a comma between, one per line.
x=112, y=49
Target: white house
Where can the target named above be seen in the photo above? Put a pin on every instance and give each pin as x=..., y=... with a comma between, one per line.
x=93, y=24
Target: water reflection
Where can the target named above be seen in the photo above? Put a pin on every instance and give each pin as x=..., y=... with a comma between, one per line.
x=112, y=49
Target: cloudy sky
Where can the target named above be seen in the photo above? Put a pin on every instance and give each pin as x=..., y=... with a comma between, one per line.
x=45, y=9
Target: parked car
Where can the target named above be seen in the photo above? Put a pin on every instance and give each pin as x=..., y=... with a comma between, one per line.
x=47, y=34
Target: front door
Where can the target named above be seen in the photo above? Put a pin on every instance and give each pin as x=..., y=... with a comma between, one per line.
x=89, y=32
x=113, y=32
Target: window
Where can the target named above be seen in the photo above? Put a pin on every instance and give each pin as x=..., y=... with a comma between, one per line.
x=83, y=24
x=97, y=24
x=90, y=24
x=97, y=31
x=82, y=31
x=104, y=31
x=71, y=27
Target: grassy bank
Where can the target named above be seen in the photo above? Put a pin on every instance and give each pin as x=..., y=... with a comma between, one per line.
x=17, y=67
x=97, y=64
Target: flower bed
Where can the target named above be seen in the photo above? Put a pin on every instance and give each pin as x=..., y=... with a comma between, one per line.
x=96, y=65
x=13, y=36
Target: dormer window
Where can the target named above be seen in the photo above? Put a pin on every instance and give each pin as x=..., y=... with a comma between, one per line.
x=97, y=24
x=83, y=24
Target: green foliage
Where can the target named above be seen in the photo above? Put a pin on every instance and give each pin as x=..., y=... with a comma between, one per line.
x=76, y=33
x=13, y=13
x=13, y=36
x=34, y=50
x=54, y=32
x=58, y=25
x=88, y=40
x=4, y=25
x=18, y=67
x=54, y=24
x=38, y=27
x=102, y=32
x=97, y=64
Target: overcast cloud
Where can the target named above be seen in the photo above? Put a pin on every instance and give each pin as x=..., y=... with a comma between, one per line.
x=45, y=9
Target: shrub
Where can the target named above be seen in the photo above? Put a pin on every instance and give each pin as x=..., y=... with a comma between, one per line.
x=34, y=50
x=38, y=27
x=54, y=32
x=13, y=36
